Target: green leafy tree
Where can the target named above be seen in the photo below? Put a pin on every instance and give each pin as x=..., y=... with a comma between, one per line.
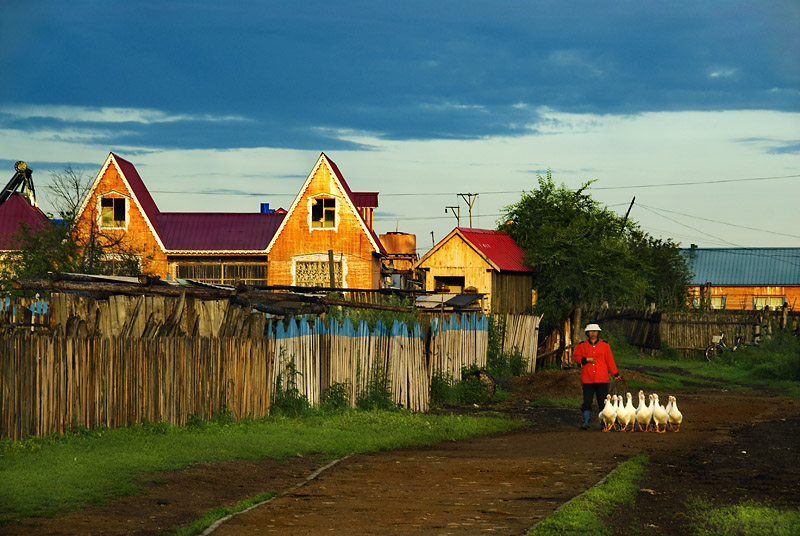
x=584, y=254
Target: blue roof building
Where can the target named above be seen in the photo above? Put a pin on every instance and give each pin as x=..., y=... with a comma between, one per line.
x=745, y=278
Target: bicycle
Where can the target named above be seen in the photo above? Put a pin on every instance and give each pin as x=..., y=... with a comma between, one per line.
x=718, y=346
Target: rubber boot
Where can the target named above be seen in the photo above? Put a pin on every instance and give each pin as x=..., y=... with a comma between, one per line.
x=587, y=415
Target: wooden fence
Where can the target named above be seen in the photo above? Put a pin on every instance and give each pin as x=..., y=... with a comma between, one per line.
x=50, y=383
x=687, y=333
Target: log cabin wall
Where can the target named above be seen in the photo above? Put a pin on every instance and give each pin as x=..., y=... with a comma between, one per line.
x=745, y=297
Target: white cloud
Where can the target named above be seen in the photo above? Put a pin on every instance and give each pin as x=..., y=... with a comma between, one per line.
x=85, y=114
x=722, y=72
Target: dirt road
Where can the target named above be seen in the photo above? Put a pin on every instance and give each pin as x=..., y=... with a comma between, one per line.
x=731, y=447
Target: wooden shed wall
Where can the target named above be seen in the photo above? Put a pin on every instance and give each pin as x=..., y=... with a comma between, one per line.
x=349, y=242
x=512, y=293
x=456, y=258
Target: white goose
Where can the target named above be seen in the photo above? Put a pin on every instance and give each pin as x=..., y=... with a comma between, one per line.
x=675, y=416
x=608, y=415
x=660, y=415
x=624, y=415
x=643, y=414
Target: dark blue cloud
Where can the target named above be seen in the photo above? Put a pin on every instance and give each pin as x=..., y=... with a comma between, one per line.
x=450, y=70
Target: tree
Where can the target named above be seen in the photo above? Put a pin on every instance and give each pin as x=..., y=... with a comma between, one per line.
x=584, y=254
x=67, y=190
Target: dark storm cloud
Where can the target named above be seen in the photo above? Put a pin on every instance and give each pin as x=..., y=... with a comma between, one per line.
x=303, y=75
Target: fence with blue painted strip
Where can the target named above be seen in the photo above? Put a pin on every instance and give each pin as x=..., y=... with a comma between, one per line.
x=50, y=382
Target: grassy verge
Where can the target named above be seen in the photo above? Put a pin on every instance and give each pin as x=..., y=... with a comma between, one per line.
x=745, y=518
x=212, y=516
x=44, y=476
x=586, y=514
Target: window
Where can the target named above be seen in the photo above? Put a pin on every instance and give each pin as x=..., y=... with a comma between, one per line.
x=449, y=284
x=112, y=212
x=323, y=213
x=223, y=273
x=317, y=273
x=772, y=302
x=717, y=302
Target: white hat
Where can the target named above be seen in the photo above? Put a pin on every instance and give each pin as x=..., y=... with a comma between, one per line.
x=592, y=327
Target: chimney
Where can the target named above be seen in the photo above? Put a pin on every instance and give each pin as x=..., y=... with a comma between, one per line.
x=692, y=251
x=265, y=209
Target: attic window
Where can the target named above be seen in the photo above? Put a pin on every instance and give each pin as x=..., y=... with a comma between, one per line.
x=323, y=213
x=112, y=212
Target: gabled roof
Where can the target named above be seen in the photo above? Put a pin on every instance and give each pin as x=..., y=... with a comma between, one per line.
x=16, y=210
x=141, y=196
x=218, y=231
x=744, y=266
x=496, y=247
x=349, y=198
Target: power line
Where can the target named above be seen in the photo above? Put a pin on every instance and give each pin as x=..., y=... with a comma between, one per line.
x=499, y=192
x=720, y=222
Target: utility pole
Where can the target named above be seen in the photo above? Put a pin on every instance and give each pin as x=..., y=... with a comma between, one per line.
x=470, y=199
x=629, y=210
x=456, y=212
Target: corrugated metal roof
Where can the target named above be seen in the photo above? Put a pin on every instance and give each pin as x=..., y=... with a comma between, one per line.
x=744, y=266
x=14, y=210
x=218, y=231
x=498, y=247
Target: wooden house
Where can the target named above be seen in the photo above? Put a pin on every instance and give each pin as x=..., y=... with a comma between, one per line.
x=744, y=278
x=272, y=247
x=480, y=261
x=327, y=223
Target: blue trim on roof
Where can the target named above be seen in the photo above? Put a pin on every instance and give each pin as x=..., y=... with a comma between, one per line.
x=744, y=266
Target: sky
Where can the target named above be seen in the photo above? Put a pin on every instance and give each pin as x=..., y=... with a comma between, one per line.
x=688, y=110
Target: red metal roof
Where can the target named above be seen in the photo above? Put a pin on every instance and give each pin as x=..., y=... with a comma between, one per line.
x=218, y=231
x=140, y=191
x=498, y=248
x=365, y=199
x=16, y=210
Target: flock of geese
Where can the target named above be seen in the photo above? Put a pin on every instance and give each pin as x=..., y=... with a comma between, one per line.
x=648, y=417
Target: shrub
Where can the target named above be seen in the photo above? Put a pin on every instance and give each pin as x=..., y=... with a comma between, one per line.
x=378, y=392
x=441, y=391
x=287, y=399
x=336, y=396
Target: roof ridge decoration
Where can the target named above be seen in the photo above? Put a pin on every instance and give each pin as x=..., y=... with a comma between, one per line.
x=112, y=158
x=347, y=194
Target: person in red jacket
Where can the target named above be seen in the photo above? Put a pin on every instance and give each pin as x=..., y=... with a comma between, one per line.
x=594, y=356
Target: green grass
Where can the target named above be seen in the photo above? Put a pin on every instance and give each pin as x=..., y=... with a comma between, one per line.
x=586, y=515
x=745, y=518
x=45, y=476
x=214, y=515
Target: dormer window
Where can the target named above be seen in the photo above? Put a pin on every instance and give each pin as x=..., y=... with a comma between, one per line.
x=112, y=212
x=323, y=213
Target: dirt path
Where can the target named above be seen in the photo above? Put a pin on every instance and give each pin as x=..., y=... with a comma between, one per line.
x=497, y=485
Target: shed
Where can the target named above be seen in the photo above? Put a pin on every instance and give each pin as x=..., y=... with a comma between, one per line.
x=484, y=262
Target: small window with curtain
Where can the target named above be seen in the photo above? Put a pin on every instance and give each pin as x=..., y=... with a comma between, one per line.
x=112, y=212
x=768, y=302
x=323, y=213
